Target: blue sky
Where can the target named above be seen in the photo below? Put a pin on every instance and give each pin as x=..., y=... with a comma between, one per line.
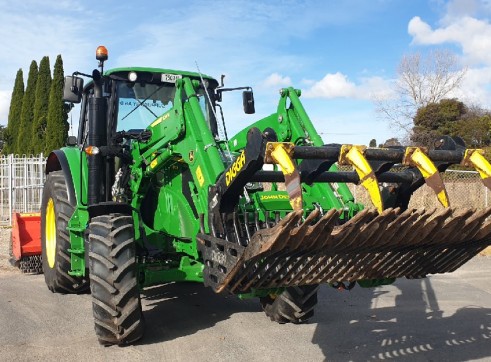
x=341, y=54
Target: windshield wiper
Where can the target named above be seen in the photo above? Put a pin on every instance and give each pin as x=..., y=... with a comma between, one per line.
x=142, y=103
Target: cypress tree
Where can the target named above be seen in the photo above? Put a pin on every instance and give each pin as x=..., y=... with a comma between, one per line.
x=43, y=85
x=57, y=125
x=24, y=139
x=10, y=136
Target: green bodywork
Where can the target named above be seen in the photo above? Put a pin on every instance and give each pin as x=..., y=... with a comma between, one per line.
x=171, y=174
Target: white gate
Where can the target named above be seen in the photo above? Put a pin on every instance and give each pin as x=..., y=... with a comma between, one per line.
x=21, y=185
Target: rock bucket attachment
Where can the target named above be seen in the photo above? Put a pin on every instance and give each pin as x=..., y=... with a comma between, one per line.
x=26, y=241
x=392, y=244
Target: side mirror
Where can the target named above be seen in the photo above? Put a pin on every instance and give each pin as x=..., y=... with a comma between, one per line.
x=248, y=102
x=72, y=91
x=71, y=141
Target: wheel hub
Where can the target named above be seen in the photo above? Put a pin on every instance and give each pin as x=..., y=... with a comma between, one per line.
x=50, y=233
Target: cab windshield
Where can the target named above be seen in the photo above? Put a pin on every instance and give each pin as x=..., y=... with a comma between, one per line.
x=139, y=104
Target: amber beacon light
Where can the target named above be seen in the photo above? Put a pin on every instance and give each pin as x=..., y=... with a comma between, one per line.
x=101, y=53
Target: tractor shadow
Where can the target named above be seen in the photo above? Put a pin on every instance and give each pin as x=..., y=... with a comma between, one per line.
x=180, y=309
x=372, y=324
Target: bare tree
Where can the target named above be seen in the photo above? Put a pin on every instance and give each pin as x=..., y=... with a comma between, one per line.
x=421, y=80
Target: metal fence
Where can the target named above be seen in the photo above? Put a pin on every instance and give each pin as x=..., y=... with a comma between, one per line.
x=21, y=185
x=464, y=189
x=22, y=179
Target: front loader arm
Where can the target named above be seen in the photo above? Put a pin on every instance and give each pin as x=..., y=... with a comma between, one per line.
x=180, y=136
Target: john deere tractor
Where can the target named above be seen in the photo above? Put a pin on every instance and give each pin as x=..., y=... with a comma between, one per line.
x=154, y=191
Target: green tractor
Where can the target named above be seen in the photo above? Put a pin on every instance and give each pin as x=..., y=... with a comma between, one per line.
x=154, y=191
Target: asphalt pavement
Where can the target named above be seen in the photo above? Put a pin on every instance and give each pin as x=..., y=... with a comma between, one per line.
x=440, y=318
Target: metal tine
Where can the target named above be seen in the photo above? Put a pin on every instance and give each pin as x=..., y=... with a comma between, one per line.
x=224, y=225
x=357, y=245
x=328, y=267
x=395, y=231
x=385, y=250
x=482, y=216
x=442, y=262
x=454, y=255
x=368, y=261
x=435, y=224
x=326, y=225
x=246, y=226
x=321, y=231
x=331, y=271
x=459, y=235
x=457, y=263
x=345, y=231
x=404, y=231
x=266, y=219
x=309, y=267
x=471, y=225
x=335, y=274
x=237, y=230
x=265, y=240
x=365, y=235
x=428, y=229
x=451, y=224
x=383, y=238
x=392, y=257
x=353, y=230
x=297, y=238
x=275, y=242
x=301, y=232
x=409, y=260
x=421, y=228
x=485, y=231
x=256, y=221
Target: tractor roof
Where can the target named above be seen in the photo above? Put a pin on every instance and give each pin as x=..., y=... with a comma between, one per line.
x=158, y=70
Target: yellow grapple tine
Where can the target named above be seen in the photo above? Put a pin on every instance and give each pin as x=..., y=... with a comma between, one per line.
x=415, y=157
x=353, y=155
x=279, y=153
x=474, y=157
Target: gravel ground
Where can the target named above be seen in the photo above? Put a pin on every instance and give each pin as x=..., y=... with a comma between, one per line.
x=5, y=265
x=440, y=318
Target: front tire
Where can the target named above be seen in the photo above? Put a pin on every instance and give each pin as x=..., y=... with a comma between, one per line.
x=293, y=305
x=56, y=211
x=113, y=274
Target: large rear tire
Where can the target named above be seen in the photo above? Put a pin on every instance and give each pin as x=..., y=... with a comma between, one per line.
x=56, y=211
x=294, y=305
x=113, y=280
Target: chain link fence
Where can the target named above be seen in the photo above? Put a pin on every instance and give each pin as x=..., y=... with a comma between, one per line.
x=464, y=189
x=21, y=185
x=22, y=179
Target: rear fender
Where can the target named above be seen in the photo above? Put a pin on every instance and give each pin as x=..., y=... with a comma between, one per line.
x=74, y=166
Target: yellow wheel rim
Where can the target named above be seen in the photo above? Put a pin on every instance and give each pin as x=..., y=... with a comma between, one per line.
x=50, y=233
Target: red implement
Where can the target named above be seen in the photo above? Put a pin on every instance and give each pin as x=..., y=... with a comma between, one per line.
x=26, y=241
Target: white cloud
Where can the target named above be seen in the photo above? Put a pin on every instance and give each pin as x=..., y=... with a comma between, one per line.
x=277, y=80
x=337, y=85
x=333, y=85
x=471, y=34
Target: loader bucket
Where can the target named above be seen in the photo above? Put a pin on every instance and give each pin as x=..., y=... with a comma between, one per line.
x=322, y=246
x=394, y=244
x=26, y=241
